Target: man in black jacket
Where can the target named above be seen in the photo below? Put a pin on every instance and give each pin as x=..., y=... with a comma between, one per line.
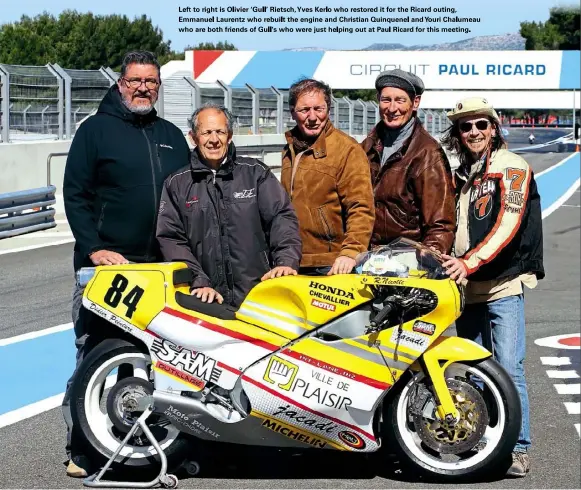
x=114, y=173
x=228, y=218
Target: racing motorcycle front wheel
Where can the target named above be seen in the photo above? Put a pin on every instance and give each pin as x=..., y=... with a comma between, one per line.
x=479, y=443
x=105, y=405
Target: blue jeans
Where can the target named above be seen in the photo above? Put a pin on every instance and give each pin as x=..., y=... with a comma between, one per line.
x=500, y=327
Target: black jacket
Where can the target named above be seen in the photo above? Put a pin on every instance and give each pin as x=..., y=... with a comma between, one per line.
x=114, y=173
x=503, y=210
x=231, y=228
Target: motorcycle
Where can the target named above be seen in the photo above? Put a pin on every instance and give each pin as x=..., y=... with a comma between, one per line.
x=354, y=362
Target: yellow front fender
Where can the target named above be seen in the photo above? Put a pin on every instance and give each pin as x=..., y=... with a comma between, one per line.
x=441, y=353
x=454, y=349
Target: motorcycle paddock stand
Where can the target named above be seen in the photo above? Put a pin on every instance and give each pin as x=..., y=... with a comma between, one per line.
x=163, y=478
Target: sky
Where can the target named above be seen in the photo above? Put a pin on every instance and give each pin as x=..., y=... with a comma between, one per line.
x=497, y=17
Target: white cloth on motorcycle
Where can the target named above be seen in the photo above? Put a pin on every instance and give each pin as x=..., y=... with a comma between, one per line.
x=224, y=312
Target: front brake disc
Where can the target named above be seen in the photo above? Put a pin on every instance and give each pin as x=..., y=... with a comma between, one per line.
x=466, y=432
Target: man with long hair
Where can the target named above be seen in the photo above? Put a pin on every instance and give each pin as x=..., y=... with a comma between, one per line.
x=498, y=245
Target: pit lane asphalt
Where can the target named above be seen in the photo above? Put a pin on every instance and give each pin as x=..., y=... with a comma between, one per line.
x=35, y=288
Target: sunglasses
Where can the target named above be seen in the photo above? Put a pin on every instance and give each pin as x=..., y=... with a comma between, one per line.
x=481, y=125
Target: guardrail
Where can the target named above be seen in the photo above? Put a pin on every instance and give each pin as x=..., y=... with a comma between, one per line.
x=568, y=138
x=259, y=151
x=27, y=211
x=49, y=159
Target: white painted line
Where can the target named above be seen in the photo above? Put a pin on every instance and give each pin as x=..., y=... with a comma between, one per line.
x=572, y=205
x=555, y=361
x=573, y=408
x=32, y=247
x=61, y=221
x=572, y=389
x=557, y=165
x=562, y=374
x=34, y=335
x=578, y=427
x=31, y=410
x=553, y=341
x=562, y=200
x=41, y=406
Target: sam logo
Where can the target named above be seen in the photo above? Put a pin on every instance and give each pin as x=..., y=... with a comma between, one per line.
x=424, y=327
x=351, y=439
x=195, y=364
x=246, y=193
x=280, y=372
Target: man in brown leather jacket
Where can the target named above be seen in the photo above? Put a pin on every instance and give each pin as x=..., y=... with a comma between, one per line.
x=410, y=173
x=326, y=175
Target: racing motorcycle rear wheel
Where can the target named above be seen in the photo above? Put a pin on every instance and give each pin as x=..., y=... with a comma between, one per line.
x=479, y=443
x=105, y=398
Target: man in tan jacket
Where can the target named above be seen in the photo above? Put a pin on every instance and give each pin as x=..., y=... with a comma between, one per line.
x=327, y=176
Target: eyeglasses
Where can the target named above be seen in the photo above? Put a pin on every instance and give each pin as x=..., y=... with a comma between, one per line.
x=481, y=125
x=150, y=83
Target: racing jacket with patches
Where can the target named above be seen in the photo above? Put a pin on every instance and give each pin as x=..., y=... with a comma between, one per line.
x=230, y=227
x=499, y=218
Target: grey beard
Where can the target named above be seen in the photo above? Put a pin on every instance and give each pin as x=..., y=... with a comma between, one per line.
x=139, y=110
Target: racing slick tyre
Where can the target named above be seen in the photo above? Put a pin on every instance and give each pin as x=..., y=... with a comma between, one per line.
x=479, y=444
x=105, y=394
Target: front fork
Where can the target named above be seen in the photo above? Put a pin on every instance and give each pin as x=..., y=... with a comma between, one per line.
x=443, y=352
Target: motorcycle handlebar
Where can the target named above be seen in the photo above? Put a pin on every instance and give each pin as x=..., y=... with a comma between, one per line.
x=382, y=315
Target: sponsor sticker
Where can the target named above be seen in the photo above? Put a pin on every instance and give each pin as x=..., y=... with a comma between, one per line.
x=280, y=372
x=330, y=294
x=293, y=433
x=283, y=373
x=424, y=327
x=323, y=305
x=192, y=367
x=246, y=193
x=351, y=439
x=413, y=340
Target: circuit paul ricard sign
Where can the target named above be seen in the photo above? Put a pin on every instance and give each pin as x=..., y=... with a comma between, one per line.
x=440, y=70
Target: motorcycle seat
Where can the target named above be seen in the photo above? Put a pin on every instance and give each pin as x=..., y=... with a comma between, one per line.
x=224, y=312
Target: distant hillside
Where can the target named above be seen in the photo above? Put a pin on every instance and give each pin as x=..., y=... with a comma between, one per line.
x=502, y=42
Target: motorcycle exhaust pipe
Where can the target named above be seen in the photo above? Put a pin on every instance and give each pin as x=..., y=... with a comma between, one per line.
x=186, y=408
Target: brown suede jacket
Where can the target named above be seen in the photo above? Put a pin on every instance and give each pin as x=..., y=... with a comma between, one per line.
x=330, y=189
x=414, y=196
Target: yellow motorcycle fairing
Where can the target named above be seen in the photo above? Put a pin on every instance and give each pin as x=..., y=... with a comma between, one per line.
x=286, y=312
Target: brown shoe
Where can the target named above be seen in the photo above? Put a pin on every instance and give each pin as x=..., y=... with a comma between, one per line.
x=521, y=465
x=75, y=471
